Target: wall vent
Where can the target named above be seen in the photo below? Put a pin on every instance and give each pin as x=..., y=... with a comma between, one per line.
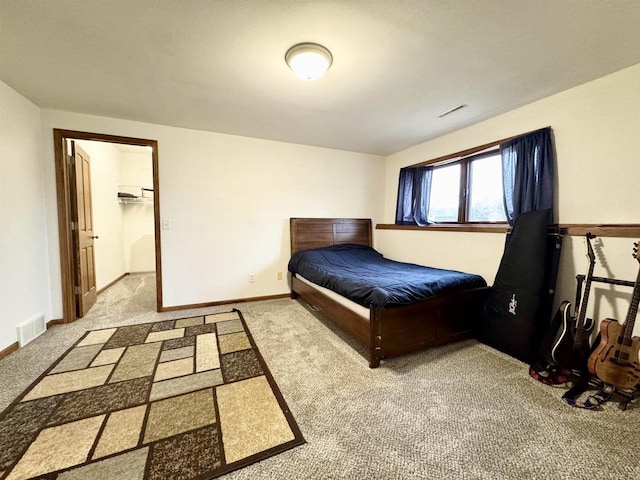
x=30, y=329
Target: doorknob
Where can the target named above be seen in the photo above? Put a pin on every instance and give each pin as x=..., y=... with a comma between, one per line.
x=95, y=236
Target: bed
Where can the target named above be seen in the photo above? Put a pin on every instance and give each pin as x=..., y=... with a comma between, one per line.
x=384, y=329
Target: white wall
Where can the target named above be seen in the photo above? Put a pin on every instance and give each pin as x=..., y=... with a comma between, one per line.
x=107, y=212
x=136, y=169
x=597, y=139
x=229, y=199
x=24, y=273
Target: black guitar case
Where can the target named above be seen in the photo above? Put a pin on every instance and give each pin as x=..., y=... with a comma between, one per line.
x=517, y=312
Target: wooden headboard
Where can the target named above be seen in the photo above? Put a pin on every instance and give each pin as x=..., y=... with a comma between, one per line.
x=322, y=232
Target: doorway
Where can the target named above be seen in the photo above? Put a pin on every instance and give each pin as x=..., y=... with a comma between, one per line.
x=69, y=206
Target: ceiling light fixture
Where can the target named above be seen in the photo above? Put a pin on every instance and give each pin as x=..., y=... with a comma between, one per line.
x=308, y=60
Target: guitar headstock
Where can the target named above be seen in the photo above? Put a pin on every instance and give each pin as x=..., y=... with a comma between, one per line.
x=635, y=251
x=590, y=255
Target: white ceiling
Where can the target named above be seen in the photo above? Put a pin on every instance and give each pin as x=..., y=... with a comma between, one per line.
x=398, y=64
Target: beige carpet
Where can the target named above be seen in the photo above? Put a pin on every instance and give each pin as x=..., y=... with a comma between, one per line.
x=463, y=411
x=176, y=399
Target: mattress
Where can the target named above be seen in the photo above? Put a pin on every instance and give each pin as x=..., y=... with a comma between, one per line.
x=364, y=276
x=345, y=302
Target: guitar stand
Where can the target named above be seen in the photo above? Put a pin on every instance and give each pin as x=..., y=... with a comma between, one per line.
x=611, y=281
x=625, y=397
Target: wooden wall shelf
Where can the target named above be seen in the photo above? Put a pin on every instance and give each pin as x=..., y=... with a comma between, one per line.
x=620, y=230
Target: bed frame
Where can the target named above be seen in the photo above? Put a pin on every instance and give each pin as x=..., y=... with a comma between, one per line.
x=388, y=332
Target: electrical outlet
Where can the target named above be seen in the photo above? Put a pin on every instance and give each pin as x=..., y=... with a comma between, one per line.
x=279, y=275
x=252, y=278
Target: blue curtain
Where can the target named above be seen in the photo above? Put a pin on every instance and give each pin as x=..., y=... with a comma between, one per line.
x=414, y=188
x=528, y=173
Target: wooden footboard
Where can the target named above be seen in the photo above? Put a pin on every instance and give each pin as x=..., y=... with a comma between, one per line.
x=442, y=319
x=390, y=332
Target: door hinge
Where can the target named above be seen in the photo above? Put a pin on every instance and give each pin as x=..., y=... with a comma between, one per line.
x=74, y=225
x=78, y=290
x=72, y=160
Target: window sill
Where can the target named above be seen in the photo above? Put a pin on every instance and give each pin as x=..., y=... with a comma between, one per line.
x=450, y=227
x=627, y=230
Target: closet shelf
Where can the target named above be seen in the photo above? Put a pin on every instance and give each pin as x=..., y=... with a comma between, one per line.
x=135, y=199
x=125, y=194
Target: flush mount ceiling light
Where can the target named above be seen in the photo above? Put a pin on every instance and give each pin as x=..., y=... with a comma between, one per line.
x=308, y=60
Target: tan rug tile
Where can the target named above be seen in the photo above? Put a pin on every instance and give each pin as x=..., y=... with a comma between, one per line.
x=180, y=414
x=207, y=356
x=97, y=336
x=221, y=317
x=108, y=356
x=128, y=466
x=177, y=353
x=232, y=326
x=164, y=335
x=233, y=342
x=121, y=432
x=69, y=382
x=77, y=359
x=137, y=361
x=250, y=418
x=189, y=322
x=175, y=368
x=58, y=447
x=190, y=383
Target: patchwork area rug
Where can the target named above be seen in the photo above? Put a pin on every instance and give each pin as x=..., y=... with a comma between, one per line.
x=177, y=399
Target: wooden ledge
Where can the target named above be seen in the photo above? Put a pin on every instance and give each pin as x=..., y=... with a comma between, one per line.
x=619, y=230
x=450, y=227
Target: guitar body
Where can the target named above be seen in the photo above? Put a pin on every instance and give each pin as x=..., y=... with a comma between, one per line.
x=604, y=362
x=568, y=350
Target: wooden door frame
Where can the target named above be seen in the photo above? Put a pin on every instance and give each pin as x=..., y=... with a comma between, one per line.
x=64, y=194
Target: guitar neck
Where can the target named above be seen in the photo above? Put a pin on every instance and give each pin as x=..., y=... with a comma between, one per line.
x=585, y=296
x=633, y=310
x=582, y=334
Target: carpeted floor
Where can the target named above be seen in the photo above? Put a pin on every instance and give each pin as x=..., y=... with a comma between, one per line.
x=460, y=411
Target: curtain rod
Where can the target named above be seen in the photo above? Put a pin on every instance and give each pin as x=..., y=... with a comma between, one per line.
x=470, y=151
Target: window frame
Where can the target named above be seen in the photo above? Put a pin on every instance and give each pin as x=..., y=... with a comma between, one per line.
x=464, y=187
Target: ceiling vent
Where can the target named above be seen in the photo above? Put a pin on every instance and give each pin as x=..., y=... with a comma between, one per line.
x=454, y=109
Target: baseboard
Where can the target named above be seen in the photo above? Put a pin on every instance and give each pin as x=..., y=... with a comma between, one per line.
x=112, y=283
x=224, y=302
x=10, y=349
x=53, y=322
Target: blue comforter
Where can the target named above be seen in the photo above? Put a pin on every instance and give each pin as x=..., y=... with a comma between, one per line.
x=363, y=275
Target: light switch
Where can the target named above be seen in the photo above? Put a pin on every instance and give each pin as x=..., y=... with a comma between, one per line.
x=166, y=224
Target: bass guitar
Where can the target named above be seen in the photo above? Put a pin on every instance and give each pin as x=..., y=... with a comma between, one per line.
x=572, y=345
x=615, y=359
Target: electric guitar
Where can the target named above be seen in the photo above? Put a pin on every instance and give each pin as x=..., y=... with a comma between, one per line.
x=572, y=345
x=615, y=360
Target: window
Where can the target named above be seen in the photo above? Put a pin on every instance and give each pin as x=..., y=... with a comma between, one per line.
x=485, y=197
x=467, y=187
x=444, y=202
x=468, y=190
